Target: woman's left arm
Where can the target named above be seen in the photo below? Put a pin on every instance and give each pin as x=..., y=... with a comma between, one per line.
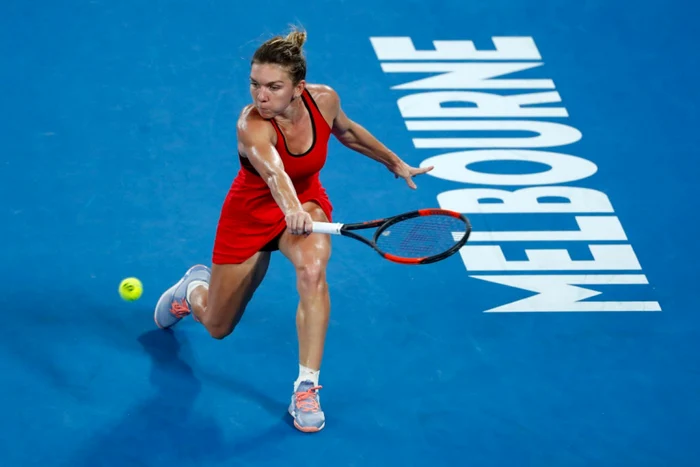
x=356, y=137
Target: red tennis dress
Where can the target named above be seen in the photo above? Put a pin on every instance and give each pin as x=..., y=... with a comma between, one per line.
x=250, y=219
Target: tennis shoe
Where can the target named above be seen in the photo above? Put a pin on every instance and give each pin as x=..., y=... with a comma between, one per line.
x=173, y=305
x=306, y=408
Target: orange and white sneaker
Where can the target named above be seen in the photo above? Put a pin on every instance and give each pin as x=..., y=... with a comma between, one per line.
x=173, y=305
x=306, y=408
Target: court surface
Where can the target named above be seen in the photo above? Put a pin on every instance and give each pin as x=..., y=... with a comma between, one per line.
x=117, y=146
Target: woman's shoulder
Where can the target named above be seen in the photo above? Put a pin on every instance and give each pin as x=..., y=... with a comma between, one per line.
x=251, y=123
x=323, y=94
x=326, y=98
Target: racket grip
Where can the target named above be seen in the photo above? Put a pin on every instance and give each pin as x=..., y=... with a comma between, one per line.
x=332, y=228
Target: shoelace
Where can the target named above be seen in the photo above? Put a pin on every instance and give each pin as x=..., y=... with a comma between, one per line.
x=179, y=309
x=306, y=401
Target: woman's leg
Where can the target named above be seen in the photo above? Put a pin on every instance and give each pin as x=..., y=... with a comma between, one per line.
x=218, y=297
x=309, y=255
x=221, y=307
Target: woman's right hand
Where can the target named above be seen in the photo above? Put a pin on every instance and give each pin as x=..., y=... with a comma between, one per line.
x=299, y=223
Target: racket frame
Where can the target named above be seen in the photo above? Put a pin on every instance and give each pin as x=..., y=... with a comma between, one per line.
x=348, y=230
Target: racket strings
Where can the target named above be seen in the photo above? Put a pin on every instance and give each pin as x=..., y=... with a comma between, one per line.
x=420, y=237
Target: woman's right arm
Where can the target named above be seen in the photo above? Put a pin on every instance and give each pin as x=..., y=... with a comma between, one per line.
x=255, y=144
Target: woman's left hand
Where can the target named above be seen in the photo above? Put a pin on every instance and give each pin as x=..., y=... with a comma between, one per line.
x=405, y=171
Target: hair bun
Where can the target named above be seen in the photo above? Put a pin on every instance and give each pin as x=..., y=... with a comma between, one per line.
x=296, y=37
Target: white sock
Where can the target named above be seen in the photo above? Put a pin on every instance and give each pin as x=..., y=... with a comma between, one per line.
x=307, y=374
x=193, y=285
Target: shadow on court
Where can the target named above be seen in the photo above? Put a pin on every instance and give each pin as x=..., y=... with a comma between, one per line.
x=162, y=427
x=165, y=429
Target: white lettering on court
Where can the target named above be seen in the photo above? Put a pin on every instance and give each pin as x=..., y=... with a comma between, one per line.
x=485, y=107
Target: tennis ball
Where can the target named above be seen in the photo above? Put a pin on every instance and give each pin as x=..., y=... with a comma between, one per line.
x=130, y=289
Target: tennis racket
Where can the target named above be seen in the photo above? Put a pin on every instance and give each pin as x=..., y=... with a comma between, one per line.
x=418, y=237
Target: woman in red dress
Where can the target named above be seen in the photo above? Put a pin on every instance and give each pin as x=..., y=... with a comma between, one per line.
x=282, y=146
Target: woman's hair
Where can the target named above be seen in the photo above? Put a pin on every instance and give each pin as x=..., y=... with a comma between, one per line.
x=285, y=51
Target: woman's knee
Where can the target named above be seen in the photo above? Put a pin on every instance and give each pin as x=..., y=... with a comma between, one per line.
x=220, y=331
x=311, y=275
x=221, y=319
x=218, y=328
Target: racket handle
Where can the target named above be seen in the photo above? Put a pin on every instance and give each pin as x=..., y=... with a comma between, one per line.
x=332, y=228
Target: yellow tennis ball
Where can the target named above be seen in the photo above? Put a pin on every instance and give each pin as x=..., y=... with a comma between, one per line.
x=130, y=289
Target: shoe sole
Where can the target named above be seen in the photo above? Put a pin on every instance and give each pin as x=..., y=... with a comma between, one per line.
x=306, y=429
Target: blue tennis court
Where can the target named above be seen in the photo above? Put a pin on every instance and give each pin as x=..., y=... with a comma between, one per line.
x=563, y=334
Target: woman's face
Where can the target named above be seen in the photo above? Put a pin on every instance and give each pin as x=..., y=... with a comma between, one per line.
x=271, y=88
